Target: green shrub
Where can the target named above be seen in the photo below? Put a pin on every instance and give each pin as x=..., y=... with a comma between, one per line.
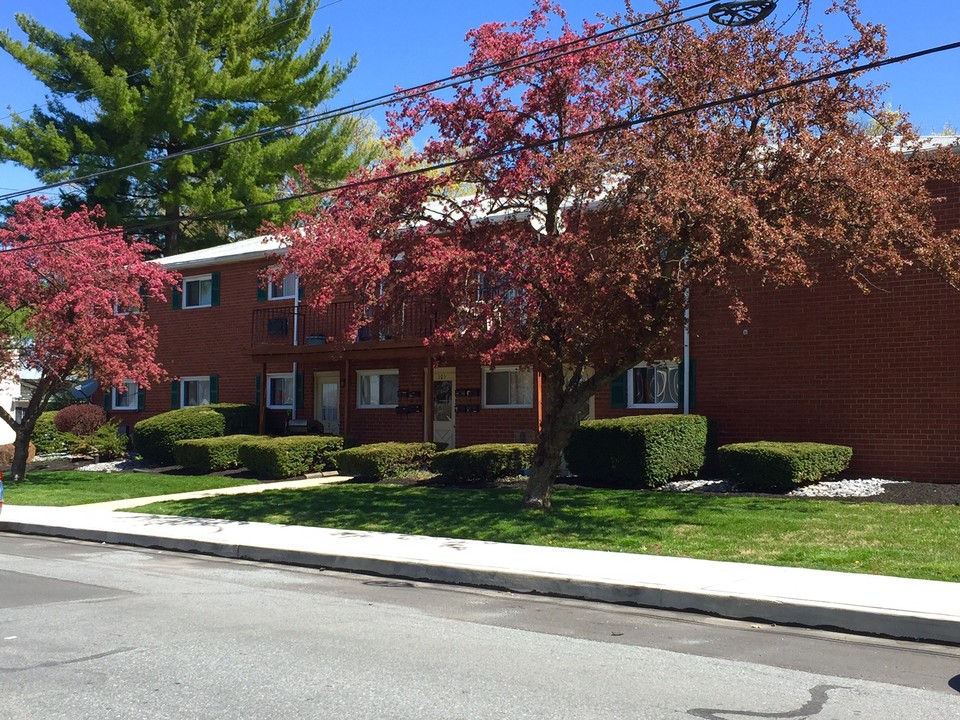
x=206, y=455
x=238, y=418
x=779, y=466
x=46, y=436
x=283, y=457
x=156, y=437
x=105, y=442
x=484, y=462
x=382, y=460
x=639, y=451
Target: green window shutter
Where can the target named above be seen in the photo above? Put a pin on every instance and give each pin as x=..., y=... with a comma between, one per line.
x=175, y=395
x=108, y=399
x=177, y=302
x=214, y=289
x=214, y=389
x=618, y=392
x=257, y=396
x=141, y=399
x=301, y=292
x=143, y=299
x=298, y=390
x=261, y=289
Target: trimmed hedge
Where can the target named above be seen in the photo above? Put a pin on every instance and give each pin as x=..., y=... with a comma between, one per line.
x=484, y=462
x=638, y=451
x=156, y=437
x=81, y=419
x=206, y=455
x=46, y=436
x=778, y=466
x=282, y=457
x=383, y=460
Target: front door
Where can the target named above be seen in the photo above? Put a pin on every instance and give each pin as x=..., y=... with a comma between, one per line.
x=444, y=410
x=326, y=401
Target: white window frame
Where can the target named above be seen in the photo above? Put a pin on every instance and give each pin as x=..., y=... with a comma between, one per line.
x=293, y=390
x=283, y=282
x=374, y=373
x=133, y=392
x=511, y=369
x=183, y=389
x=630, y=394
x=200, y=279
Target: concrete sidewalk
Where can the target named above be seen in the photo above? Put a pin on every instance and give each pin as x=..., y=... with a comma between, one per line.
x=895, y=607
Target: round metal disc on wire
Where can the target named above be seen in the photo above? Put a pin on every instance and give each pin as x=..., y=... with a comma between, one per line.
x=738, y=14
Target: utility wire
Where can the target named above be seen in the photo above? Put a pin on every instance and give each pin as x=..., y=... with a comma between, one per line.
x=626, y=124
x=612, y=35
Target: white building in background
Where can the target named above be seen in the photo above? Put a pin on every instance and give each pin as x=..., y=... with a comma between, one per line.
x=9, y=392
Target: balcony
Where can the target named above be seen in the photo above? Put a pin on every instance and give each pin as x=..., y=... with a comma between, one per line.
x=289, y=326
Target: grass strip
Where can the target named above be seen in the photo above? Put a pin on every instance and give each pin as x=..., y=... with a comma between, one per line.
x=76, y=487
x=917, y=541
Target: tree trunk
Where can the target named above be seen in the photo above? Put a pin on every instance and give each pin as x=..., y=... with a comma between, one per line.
x=560, y=420
x=21, y=450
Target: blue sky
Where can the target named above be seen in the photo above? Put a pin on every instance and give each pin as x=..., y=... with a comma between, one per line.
x=411, y=42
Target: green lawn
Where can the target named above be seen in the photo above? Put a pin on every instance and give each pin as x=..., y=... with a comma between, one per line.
x=921, y=541
x=74, y=487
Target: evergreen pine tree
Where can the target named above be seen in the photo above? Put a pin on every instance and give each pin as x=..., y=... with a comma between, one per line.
x=145, y=79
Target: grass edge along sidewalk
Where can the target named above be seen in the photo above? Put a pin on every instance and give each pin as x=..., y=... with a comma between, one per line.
x=78, y=487
x=916, y=541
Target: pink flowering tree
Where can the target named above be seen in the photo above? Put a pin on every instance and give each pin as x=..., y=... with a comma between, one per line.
x=556, y=227
x=74, y=302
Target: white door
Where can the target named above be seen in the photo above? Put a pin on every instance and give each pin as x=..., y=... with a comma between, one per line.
x=444, y=409
x=326, y=401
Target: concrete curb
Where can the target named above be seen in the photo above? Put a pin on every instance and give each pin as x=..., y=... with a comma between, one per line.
x=585, y=580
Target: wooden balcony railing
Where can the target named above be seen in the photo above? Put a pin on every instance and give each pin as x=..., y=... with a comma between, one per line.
x=287, y=326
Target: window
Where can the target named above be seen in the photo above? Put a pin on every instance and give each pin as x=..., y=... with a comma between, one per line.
x=198, y=291
x=507, y=387
x=283, y=289
x=194, y=391
x=126, y=398
x=280, y=391
x=377, y=388
x=654, y=385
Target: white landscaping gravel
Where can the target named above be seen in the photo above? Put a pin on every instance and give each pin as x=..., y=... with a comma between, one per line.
x=853, y=487
x=113, y=466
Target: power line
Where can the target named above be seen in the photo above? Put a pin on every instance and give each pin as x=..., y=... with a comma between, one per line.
x=626, y=124
x=612, y=35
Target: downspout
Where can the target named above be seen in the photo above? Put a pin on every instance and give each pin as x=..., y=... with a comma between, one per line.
x=293, y=413
x=686, y=351
x=296, y=312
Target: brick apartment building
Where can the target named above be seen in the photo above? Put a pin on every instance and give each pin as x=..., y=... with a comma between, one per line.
x=828, y=363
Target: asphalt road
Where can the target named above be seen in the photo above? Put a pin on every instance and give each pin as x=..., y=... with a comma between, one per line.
x=95, y=631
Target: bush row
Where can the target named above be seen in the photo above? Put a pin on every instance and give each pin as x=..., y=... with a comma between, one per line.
x=380, y=460
x=156, y=437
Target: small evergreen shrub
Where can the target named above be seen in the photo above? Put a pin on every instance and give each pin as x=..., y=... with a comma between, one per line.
x=484, y=462
x=779, y=466
x=6, y=454
x=156, y=437
x=238, y=418
x=46, y=436
x=105, y=442
x=383, y=460
x=83, y=419
x=206, y=455
x=274, y=458
x=639, y=451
